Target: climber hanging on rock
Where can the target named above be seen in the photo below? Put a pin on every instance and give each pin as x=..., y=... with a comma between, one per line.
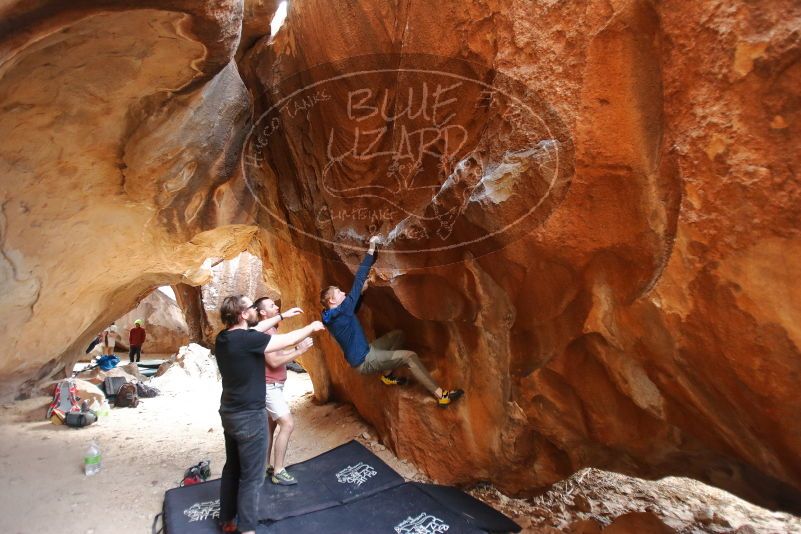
x=382, y=355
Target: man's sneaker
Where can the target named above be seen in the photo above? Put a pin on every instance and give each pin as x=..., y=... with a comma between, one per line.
x=392, y=380
x=270, y=471
x=449, y=396
x=283, y=478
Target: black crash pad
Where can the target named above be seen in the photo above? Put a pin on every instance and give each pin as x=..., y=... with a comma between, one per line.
x=150, y=364
x=341, y=475
x=192, y=508
x=406, y=509
x=471, y=509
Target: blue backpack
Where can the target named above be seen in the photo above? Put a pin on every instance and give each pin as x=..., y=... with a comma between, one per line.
x=107, y=362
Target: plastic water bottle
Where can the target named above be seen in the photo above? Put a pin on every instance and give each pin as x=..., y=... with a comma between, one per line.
x=91, y=460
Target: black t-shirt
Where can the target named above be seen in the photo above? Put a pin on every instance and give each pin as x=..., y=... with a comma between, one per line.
x=240, y=357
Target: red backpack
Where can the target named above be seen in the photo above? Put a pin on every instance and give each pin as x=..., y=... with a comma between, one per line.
x=65, y=399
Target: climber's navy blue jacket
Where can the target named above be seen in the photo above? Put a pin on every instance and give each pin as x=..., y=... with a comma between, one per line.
x=342, y=322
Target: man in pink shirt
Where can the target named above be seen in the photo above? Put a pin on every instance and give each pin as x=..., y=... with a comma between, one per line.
x=275, y=375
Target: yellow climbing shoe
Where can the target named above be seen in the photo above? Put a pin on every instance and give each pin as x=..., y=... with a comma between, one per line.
x=449, y=396
x=392, y=380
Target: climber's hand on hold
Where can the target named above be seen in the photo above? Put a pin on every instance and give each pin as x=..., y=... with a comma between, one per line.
x=374, y=241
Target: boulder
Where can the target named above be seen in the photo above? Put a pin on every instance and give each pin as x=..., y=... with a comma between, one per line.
x=127, y=118
x=97, y=376
x=192, y=366
x=89, y=392
x=585, y=526
x=164, y=324
x=588, y=210
x=242, y=275
x=638, y=523
x=596, y=247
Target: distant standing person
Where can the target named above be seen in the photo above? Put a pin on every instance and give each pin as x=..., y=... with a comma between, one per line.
x=382, y=355
x=241, y=352
x=110, y=339
x=275, y=375
x=135, y=341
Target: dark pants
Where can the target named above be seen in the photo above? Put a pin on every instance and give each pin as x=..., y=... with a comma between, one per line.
x=135, y=351
x=246, y=442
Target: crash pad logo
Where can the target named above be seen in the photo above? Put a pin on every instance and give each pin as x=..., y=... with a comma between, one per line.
x=356, y=474
x=421, y=524
x=433, y=154
x=200, y=511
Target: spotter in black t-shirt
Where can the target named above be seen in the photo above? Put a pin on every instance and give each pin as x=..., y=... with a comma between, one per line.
x=240, y=358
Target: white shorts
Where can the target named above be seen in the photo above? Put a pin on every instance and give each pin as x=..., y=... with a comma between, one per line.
x=277, y=407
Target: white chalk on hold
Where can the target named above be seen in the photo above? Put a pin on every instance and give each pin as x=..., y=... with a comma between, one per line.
x=376, y=239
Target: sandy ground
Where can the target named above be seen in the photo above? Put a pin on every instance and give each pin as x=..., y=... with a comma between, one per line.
x=146, y=450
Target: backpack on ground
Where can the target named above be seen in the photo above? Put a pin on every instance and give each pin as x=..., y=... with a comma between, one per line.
x=107, y=362
x=127, y=396
x=111, y=385
x=145, y=391
x=65, y=398
x=78, y=420
x=197, y=473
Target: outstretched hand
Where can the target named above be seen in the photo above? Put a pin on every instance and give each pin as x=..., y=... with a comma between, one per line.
x=304, y=345
x=291, y=312
x=317, y=326
x=374, y=241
